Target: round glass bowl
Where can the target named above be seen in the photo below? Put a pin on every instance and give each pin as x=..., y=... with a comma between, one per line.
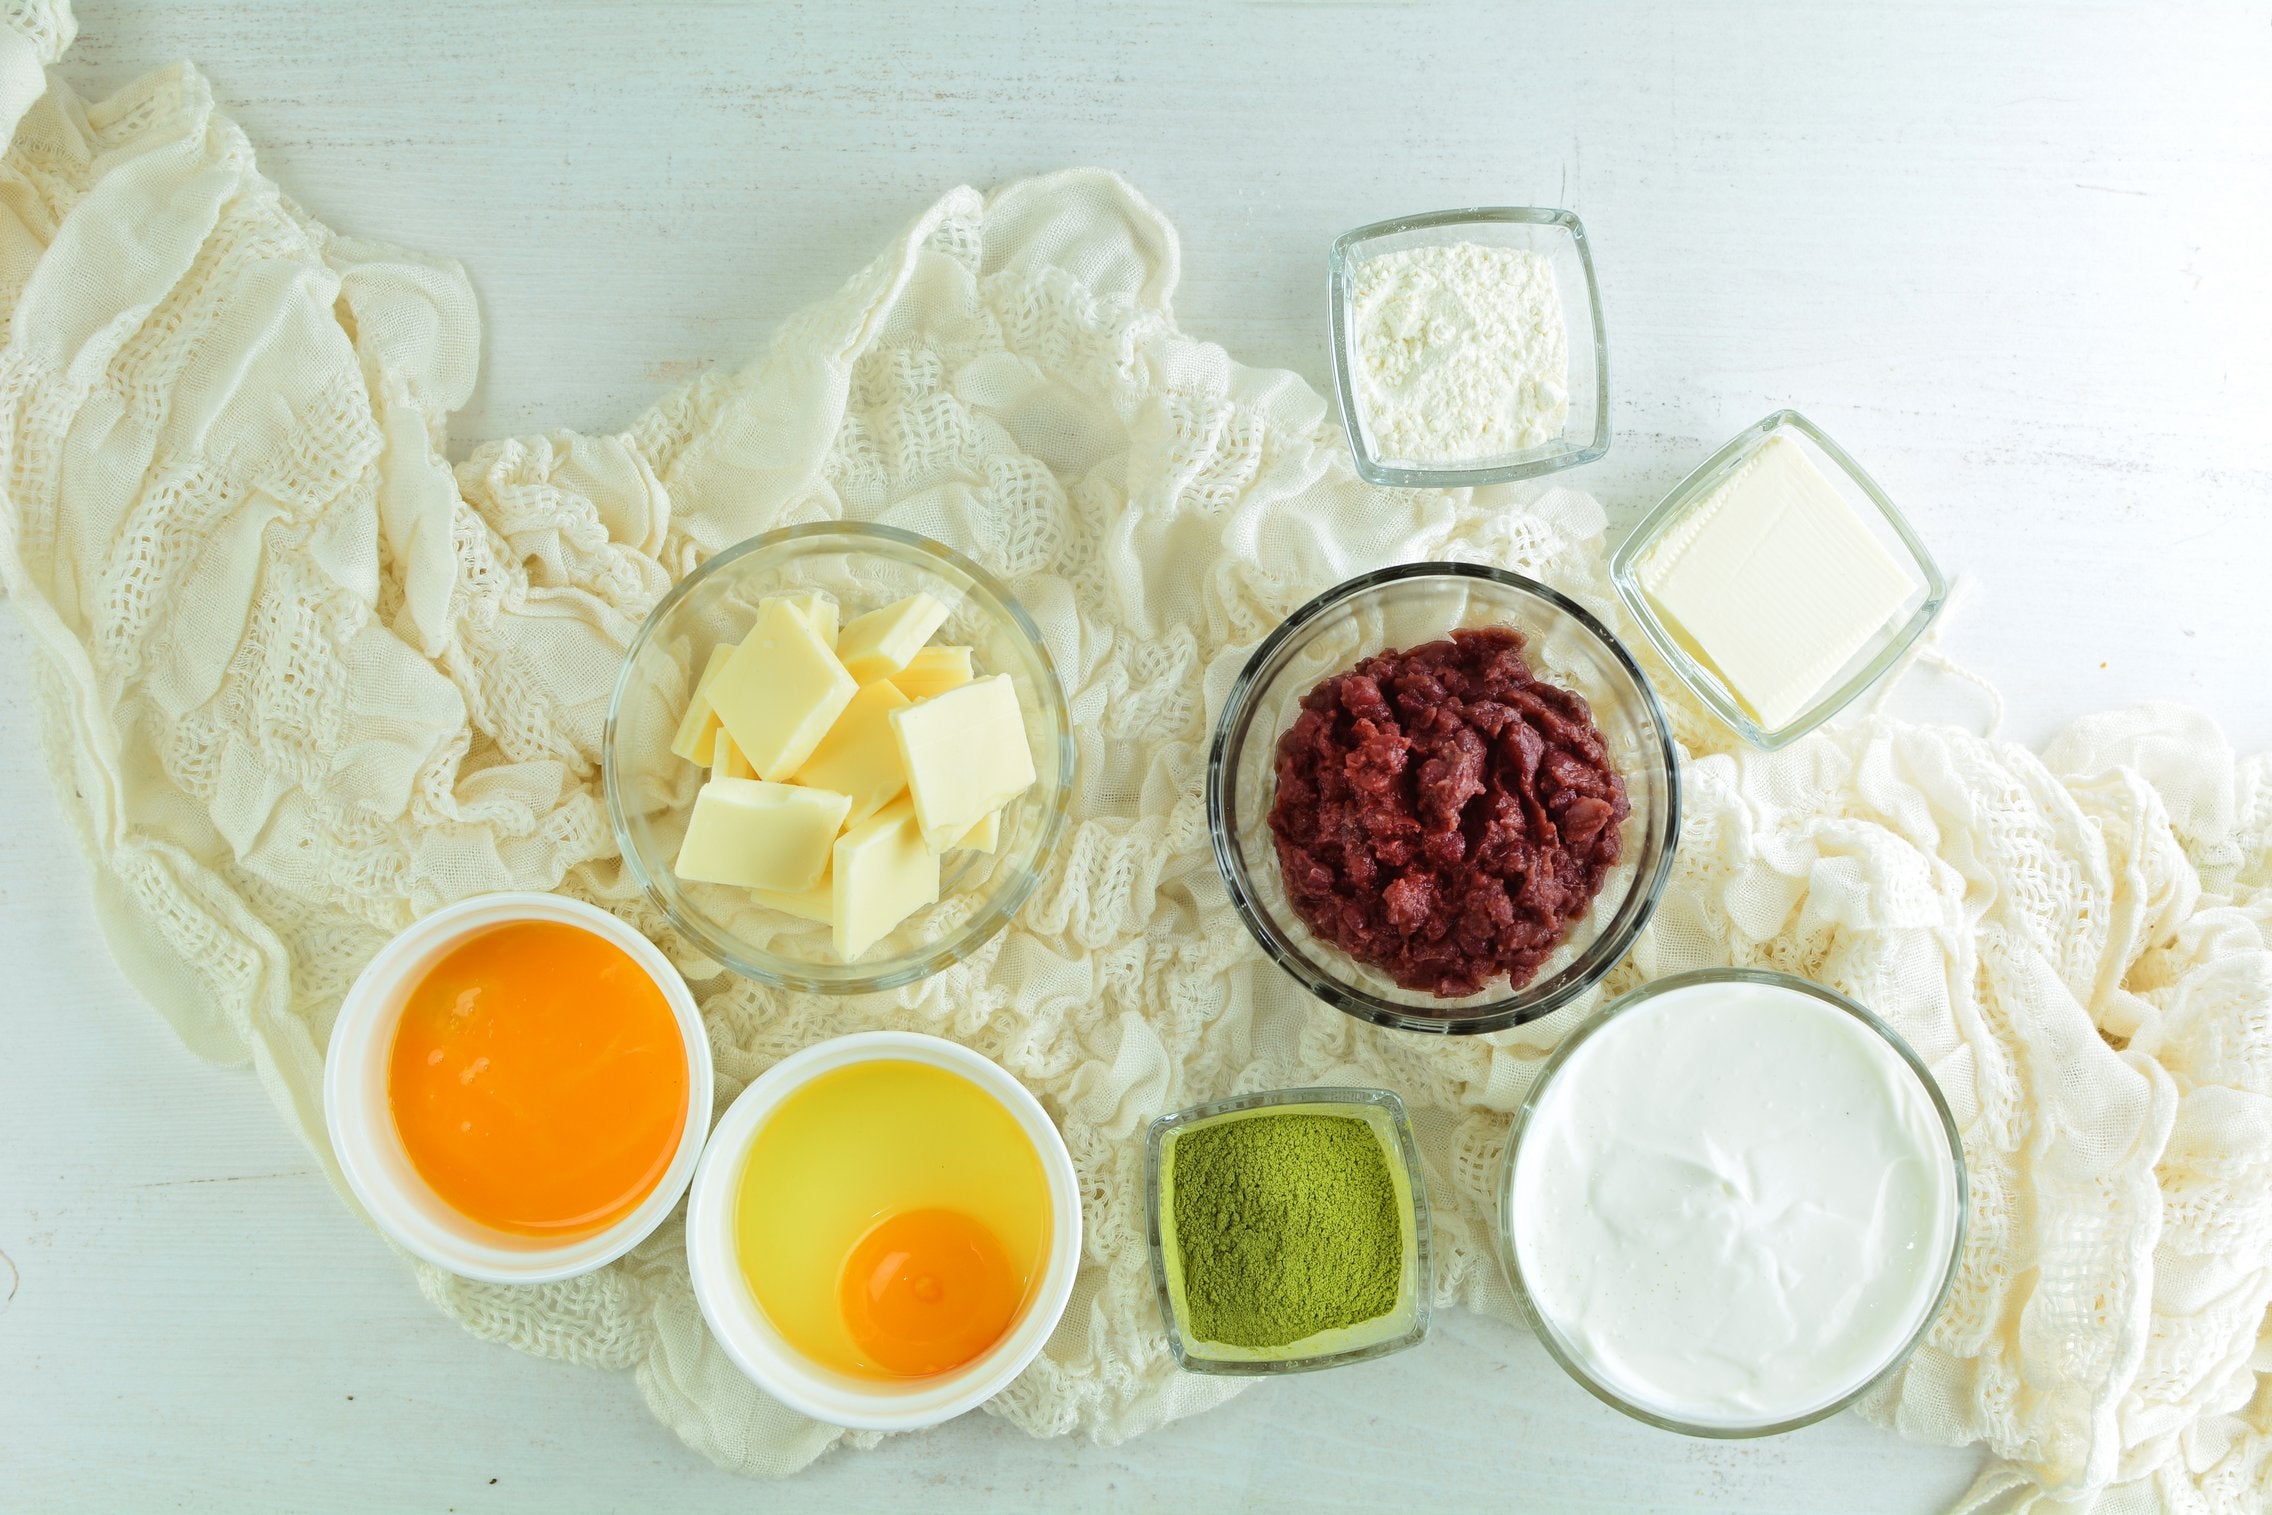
x=1405, y=1325
x=359, y=1115
x=1404, y=607
x=759, y=1348
x=650, y=790
x=1633, y=1199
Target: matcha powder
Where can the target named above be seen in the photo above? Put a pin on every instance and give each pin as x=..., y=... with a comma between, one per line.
x=1287, y=1225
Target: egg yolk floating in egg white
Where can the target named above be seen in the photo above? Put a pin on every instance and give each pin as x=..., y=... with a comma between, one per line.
x=538, y=1080
x=892, y=1220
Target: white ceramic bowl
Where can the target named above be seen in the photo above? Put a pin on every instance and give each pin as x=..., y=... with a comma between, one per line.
x=840, y=1399
x=370, y=1151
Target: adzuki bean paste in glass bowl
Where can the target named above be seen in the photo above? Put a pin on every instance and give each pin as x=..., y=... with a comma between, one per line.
x=1443, y=798
x=1443, y=814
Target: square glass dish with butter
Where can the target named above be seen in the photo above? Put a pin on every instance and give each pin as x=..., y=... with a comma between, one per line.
x=1778, y=580
x=1468, y=347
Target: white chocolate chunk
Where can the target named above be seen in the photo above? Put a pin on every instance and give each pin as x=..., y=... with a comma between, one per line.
x=815, y=904
x=966, y=756
x=880, y=643
x=760, y=835
x=726, y=760
x=859, y=756
x=780, y=691
x=933, y=671
x=819, y=610
x=700, y=723
x=882, y=873
x=983, y=837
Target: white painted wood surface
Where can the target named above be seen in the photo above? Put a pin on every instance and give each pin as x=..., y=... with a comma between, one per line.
x=2018, y=258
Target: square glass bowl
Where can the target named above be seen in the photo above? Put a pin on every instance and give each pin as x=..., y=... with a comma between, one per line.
x=1874, y=510
x=1558, y=236
x=1404, y=1326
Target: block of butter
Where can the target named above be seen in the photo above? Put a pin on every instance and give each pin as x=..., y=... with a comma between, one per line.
x=700, y=723
x=880, y=643
x=780, y=691
x=882, y=873
x=934, y=670
x=760, y=835
x=966, y=756
x=1775, y=582
x=859, y=756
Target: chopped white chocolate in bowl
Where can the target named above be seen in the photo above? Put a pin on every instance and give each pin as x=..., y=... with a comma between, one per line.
x=809, y=815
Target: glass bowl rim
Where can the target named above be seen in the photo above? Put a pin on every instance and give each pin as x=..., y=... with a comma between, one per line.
x=1419, y=1215
x=1519, y=1007
x=994, y=914
x=1502, y=1226
x=1338, y=263
x=1624, y=577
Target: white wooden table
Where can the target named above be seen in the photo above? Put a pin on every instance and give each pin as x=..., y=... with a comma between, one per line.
x=2018, y=259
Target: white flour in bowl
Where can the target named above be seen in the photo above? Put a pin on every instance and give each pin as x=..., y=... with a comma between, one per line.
x=1459, y=353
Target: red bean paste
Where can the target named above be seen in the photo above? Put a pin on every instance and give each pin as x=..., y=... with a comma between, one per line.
x=1443, y=815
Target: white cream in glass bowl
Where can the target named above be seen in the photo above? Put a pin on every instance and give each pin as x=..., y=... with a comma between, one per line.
x=1733, y=1202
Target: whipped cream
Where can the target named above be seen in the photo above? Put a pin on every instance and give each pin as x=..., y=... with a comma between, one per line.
x=1734, y=1205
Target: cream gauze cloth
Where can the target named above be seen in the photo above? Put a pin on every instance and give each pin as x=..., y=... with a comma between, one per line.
x=302, y=680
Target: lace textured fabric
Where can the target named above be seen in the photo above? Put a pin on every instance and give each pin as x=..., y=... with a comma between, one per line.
x=301, y=680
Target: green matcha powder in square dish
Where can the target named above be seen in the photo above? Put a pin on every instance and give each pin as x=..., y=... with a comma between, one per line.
x=1287, y=1225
